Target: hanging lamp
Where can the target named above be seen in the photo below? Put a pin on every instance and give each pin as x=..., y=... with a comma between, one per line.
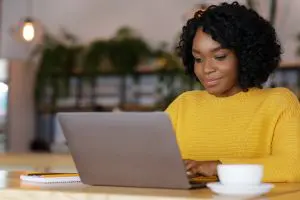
x=28, y=29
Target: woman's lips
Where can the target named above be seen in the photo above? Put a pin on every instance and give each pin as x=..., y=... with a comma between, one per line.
x=212, y=82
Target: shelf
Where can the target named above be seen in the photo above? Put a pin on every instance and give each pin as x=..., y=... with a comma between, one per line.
x=98, y=108
x=289, y=65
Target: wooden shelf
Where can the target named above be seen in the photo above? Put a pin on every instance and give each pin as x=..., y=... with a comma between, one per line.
x=290, y=65
x=125, y=107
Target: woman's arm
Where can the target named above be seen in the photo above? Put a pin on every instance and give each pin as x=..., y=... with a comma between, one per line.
x=173, y=110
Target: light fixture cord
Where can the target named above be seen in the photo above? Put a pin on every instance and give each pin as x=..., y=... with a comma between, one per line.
x=30, y=8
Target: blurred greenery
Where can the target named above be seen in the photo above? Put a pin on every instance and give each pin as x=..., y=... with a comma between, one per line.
x=121, y=54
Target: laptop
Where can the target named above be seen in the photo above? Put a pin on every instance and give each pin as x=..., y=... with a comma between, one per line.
x=128, y=149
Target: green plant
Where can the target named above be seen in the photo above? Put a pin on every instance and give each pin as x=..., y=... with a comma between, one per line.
x=55, y=58
x=127, y=50
x=96, y=53
x=120, y=54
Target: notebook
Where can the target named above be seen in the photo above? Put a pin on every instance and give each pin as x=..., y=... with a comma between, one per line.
x=51, y=177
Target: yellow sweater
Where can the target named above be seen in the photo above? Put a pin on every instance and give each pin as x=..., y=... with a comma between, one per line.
x=259, y=126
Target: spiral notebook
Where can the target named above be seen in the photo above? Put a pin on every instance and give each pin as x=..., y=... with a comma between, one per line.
x=51, y=177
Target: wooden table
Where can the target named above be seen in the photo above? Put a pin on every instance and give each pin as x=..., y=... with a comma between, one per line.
x=12, y=188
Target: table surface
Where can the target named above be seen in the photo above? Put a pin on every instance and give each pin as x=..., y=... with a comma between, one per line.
x=12, y=188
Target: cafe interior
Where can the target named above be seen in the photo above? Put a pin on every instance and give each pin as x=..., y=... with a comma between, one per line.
x=53, y=59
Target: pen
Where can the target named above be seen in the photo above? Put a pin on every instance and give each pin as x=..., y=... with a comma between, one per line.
x=52, y=174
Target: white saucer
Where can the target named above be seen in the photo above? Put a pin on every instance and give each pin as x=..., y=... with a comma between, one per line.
x=240, y=190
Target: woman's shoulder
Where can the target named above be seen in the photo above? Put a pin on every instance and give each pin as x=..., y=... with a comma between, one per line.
x=281, y=95
x=192, y=94
x=185, y=99
x=280, y=92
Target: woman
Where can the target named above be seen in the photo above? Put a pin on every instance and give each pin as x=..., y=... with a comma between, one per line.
x=231, y=50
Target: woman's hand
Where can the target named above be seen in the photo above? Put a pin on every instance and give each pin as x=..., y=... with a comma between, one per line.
x=201, y=168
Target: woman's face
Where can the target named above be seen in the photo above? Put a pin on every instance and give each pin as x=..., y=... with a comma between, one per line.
x=215, y=67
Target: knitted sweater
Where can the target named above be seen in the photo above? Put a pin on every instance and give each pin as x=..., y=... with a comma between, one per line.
x=261, y=126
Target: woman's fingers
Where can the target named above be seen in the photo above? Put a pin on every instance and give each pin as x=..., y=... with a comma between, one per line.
x=190, y=164
x=191, y=168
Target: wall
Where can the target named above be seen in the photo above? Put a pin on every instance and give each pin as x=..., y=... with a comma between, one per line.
x=156, y=20
x=20, y=106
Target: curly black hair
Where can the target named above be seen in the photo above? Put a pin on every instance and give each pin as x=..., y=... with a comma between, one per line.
x=240, y=29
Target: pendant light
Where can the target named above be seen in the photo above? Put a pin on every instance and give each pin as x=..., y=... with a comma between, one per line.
x=27, y=29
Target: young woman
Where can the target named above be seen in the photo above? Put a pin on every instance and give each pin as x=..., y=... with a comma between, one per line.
x=232, y=51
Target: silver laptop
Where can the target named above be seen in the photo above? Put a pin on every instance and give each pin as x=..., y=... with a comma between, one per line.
x=131, y=149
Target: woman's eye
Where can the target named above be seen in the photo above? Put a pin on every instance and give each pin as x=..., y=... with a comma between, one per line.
x=198, y=60
x=221, y=57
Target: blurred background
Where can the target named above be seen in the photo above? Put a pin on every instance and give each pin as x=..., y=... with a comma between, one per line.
x=105, y=55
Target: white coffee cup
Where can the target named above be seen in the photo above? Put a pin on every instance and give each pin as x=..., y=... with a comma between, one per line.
x=240, y=174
